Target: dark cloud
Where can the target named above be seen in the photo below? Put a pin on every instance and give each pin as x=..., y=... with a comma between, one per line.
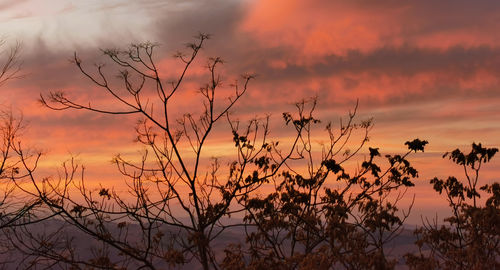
x=428, y=16
x=450, y=14
x=185, y=19
x=395, y=61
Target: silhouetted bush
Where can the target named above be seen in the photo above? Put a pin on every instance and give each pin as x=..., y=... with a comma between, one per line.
x=470, y=238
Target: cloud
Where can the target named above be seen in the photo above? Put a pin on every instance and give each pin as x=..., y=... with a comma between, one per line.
x=7, y=5
x=395, y=61
x=422, y=68
x=322, y=27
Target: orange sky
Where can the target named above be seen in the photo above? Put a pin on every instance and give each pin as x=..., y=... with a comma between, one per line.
x=426, y=69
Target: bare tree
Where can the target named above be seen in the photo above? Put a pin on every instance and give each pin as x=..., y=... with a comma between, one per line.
x=148, y=231
x=11, y=66
x=16, y=207
x=12, y=207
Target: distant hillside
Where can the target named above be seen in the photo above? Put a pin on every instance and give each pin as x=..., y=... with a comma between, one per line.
x=86, y=249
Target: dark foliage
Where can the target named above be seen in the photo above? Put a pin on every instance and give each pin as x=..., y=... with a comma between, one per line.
x=471, y=237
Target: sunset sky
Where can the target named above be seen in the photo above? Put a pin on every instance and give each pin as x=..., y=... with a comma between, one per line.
x=422, y=69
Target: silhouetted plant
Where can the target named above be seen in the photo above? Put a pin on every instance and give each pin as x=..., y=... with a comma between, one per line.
x=320, y=214
x=470, y=238
x=322, y=217
x=11, y=66
x=16, y=207
x=148, y=231
x=303, y=223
